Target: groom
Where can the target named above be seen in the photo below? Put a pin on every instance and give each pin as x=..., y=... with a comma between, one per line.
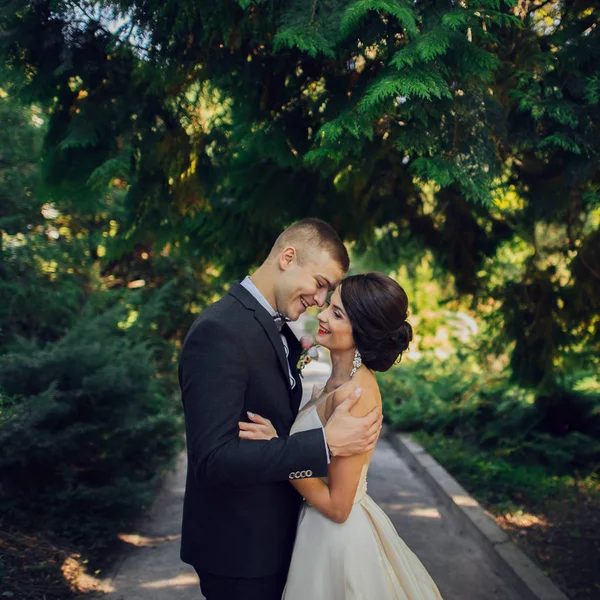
x=239, y=358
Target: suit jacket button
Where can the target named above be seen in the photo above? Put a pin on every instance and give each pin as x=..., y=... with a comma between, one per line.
x=302, y=473
x=309, y=473
x=298, y=474
x=291, y=475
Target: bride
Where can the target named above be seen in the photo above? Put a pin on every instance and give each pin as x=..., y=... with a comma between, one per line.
x=346, y=547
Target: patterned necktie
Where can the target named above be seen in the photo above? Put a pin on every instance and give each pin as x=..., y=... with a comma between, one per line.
x=280, y=320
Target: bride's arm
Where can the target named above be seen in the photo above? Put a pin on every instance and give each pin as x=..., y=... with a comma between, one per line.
x=336, y=499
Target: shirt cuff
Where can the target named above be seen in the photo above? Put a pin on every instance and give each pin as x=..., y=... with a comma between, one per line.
x=326, y=447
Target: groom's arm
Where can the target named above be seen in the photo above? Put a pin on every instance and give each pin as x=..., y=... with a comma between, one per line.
x=213, y=373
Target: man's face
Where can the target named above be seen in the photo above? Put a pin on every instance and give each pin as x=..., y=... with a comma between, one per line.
x=300, y=286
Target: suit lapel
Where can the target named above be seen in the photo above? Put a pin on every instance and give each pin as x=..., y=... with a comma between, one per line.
x=295, y=351
x=268, y=325
x=296, y=394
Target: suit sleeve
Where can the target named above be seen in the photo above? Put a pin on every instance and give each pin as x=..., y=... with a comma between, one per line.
x=213, y=374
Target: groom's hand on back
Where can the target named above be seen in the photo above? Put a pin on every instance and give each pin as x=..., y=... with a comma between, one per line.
x=348, y=435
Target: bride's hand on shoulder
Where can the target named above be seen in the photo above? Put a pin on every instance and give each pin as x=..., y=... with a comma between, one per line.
x=259, y=429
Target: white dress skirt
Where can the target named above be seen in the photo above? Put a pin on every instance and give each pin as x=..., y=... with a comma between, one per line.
x=363, y=558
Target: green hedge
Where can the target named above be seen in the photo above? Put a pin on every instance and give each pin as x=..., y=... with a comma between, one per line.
x=85, y=429
x=457, y=398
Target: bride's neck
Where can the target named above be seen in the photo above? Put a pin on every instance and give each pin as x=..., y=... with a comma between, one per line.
x=341, y=367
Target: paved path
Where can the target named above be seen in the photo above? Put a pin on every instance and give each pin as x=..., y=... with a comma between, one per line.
x=151, y=570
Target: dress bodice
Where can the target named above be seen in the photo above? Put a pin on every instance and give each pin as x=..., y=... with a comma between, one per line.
x=308, y=418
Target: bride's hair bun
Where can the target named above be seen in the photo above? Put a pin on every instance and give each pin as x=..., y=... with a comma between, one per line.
x=377, y=308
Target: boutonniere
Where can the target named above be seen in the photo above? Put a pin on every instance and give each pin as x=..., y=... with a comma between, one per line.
x=309, y=352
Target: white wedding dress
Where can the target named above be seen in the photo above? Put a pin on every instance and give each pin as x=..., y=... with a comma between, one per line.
x=363, y=558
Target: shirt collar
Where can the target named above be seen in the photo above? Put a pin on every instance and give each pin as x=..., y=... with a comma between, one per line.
x=247, y=283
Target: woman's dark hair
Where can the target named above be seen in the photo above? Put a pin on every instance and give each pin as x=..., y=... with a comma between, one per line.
x=377, y=308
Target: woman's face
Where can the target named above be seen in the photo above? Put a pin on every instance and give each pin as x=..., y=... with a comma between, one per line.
x=335, y=331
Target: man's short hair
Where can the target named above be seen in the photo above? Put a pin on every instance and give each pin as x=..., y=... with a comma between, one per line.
x=315, y=234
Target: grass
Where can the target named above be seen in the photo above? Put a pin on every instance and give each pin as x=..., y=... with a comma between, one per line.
x=494, y=478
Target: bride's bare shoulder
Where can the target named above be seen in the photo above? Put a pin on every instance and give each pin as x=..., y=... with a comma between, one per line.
x=370, y=396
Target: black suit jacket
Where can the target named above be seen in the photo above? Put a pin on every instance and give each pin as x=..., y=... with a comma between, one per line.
x=240, y=511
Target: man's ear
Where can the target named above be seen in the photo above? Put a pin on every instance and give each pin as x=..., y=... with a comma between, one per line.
x=287, y=258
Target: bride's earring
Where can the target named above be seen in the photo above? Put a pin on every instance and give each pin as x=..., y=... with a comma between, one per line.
x=356, y=362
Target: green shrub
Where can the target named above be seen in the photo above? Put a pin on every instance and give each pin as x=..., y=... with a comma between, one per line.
x=457, y=398
x=494, y=480
x=84, y=430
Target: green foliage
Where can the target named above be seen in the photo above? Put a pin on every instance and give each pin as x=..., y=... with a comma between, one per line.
x=420, y=83
x=263, y=61
x=470, y=129
x=89, y=414
x=84, y=431
x=495, y=481
x=20, y=145
x=462, y=400
x=359, y=10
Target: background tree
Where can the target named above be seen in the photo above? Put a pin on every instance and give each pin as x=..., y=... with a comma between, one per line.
x=89, y=419
x=228, y=120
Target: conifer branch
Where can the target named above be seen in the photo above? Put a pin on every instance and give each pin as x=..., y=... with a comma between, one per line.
x=312, y=16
